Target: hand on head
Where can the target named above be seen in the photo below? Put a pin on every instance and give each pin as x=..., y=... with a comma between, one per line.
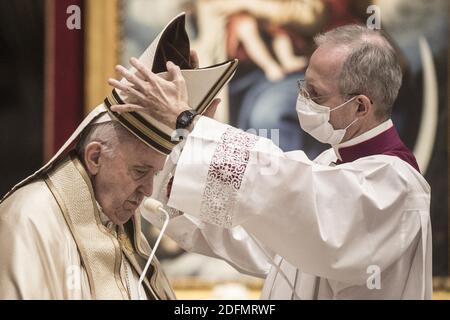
x=162, y=99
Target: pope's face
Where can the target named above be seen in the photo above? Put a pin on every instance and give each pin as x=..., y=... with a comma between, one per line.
x=125, y=176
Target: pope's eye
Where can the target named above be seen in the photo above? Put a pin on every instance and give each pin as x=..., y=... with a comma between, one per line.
x=139, y=173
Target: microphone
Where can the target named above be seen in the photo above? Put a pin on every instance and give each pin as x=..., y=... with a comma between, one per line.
x=156, y=207
x=153, y=205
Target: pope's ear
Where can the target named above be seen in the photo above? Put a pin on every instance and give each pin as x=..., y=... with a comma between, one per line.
x=92, y=153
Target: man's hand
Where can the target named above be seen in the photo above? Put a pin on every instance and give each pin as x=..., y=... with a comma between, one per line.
x=195, y=61
x=164, y=100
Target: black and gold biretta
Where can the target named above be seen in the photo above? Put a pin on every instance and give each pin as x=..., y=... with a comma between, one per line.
x=203, y=85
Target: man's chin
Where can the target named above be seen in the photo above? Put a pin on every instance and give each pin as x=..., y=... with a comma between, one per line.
x=124, y=216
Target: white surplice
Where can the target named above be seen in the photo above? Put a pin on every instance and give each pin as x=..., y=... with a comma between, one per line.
x=357, y=230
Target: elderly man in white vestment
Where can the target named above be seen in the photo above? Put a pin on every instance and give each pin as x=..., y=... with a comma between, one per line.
x=72, y=230
x=351, y=224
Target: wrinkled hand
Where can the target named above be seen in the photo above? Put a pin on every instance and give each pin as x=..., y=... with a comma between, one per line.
x=162, y=99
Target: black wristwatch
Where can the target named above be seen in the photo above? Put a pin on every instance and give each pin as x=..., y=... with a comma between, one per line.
x=185, y=119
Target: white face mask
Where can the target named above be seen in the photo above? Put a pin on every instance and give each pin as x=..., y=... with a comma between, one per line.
x=314, y=119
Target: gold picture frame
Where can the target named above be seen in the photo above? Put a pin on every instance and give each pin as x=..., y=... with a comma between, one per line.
x=102, y=48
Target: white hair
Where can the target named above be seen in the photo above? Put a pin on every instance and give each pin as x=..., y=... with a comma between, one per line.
x=110, y=134
x=371, y=68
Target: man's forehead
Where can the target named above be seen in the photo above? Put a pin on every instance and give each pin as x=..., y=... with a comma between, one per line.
x=156, y=163
x=139, y=154
x=326, y=63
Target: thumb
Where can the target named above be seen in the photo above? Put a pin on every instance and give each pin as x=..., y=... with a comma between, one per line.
x=195, y=63
x=212, y=108
x=174, y=71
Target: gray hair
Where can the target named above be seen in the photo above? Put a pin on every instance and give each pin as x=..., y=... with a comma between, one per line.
x=110, y=134
x=371, y=68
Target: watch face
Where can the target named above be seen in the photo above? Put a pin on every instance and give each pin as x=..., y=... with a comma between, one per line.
x=184, y=119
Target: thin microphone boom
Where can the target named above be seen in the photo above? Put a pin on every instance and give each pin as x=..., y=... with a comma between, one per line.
x=154, y=206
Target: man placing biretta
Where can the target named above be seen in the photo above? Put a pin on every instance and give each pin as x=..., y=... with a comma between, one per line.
x=351, y=224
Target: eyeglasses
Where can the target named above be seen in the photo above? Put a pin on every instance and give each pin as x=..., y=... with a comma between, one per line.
x=302, y=85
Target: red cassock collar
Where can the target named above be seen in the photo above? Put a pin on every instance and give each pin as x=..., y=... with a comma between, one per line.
x=387, y=142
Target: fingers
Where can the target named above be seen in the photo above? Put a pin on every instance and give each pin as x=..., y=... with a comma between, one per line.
x=141, y=76
x=141, y=85
x=130, y=91
x=174, y=72
x=147, y=74
x=127, y=108
x=212, y=108
x=195, y=61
